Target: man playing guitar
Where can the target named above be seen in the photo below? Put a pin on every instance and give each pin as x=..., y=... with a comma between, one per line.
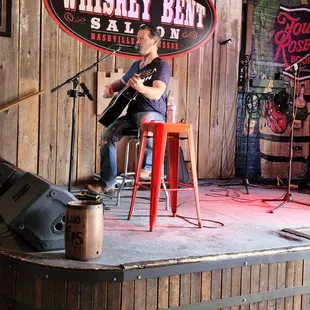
x=148, y=105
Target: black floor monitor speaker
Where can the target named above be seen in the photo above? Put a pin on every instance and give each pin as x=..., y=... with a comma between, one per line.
x=36, y=209
x=9, y=174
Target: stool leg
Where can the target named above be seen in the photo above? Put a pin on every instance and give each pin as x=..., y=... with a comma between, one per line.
x=173, y=161
x=118, y=200
x=137, y=176
x=125, y=171
x=167, y=195
x=194, y=170
x=159, y=143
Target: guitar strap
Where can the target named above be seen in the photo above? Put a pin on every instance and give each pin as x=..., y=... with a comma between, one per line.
x=153, y=65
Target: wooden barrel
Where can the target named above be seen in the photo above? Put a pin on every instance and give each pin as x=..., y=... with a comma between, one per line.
x=84, y=230
x=275, y=150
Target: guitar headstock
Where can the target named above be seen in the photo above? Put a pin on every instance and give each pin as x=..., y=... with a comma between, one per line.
x=147, y=74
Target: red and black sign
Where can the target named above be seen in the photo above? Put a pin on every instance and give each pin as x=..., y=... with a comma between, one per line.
x=292, y=40
x=184, y=24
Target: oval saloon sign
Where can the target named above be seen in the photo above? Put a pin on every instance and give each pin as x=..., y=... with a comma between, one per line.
x=102, y=24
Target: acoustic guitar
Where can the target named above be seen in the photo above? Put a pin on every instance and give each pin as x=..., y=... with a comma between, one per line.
x=121, y=100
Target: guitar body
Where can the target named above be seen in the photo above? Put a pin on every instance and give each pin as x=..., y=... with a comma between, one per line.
x=121, y=100
x=116, y=107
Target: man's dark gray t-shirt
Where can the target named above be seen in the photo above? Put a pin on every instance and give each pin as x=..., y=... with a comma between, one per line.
x=143, y=104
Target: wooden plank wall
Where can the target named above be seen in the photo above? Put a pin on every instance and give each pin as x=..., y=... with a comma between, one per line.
x=36, y=135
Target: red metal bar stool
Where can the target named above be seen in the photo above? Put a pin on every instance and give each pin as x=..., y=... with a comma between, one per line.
x=163, y=132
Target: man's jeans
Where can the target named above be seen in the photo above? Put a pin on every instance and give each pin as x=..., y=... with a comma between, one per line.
x=113, y=134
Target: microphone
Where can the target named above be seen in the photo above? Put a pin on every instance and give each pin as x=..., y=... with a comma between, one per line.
x=225, y=42
x=87, y=92
x=135, y=47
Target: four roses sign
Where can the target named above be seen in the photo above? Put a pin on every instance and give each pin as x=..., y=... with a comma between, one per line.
x=184, y=24
x=292, y=40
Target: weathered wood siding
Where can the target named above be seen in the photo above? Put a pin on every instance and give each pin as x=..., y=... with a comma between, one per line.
x=36, y=135
x=275, y=285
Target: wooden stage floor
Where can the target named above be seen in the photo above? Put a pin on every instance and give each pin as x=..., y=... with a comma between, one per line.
x=239, y=232
x=233, y=222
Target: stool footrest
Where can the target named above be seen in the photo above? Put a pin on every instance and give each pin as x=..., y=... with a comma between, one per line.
x=190, y=186
x=144, y=185
x=179, y=189
x=128, y=175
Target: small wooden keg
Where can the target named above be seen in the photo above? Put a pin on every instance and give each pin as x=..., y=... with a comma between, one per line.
x=275, y=151
x=84, y=230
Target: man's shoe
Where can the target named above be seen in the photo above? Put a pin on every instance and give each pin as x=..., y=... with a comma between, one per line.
x=100, y=190
x=145, y=175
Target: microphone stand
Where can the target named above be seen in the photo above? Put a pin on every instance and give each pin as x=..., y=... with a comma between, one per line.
x=245, y=60
x=288, y=196
x=74, y=93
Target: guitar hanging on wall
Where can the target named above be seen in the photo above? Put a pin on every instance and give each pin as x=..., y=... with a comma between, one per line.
x=121, y=100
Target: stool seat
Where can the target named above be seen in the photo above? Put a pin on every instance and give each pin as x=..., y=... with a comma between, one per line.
x=166, y=133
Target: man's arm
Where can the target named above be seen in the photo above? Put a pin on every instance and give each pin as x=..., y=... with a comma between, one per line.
x=113, y=87
x=153, y=92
